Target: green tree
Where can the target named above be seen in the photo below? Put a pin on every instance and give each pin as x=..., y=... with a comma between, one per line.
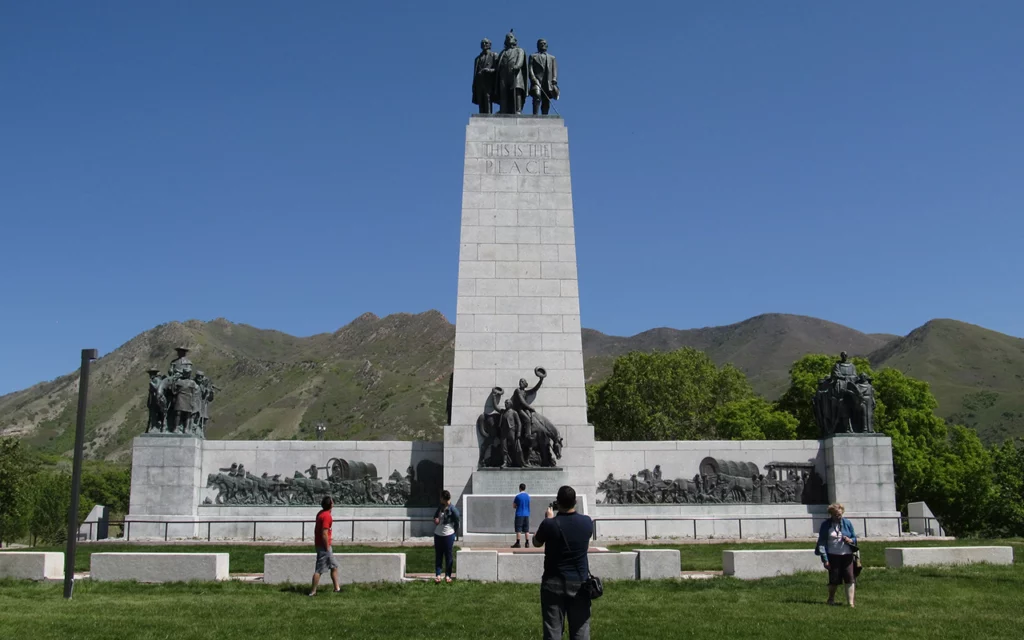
x=664, y=396
x=16, y=465
x=753, y=418
x=1006, y=517
x=109, y=486
x=51, y=499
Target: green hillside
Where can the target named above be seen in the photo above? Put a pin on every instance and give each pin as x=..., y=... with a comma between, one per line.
x=387, y=378
x=763, y=347
x=976, y=374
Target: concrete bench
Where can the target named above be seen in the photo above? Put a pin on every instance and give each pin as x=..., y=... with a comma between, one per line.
x=297, y=568
x=615, y=566
x=477, y=565
x=529, y=567
x=896, y=557
x=767, y=563
x=159, y=567
x=32, y=565
x=657, y=564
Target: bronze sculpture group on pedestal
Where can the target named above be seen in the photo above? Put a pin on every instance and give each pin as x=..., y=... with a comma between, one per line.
x=178, y=403
x=844, y=401
x=502, y=78
x=516, y=434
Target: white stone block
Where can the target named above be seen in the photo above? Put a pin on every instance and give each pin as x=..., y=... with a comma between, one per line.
x=478, y=200
x=518, y=201
x=518, y=269
x=547, y=359
x=476, y=269
x=922, y=520
x=520, y=567
x=496, y=287
x=495, y=360
x=159, y=567
x=537, y=218
x=614, y=566
x=476, y=565
x=32, y=565
x=501, y=253
x=541, y=323
x=519, y=341
x=561, y=306
x=573, y=359
x=562, y=235
x=478, y=234
x=467, y=251
x=498, y=218
x=467, y=341
x=558, y=270
x=540, y=288
x=768, y=563
x=657, y=564
x=474, y=378
x=519, y=235
x=498, y=183
x=517, y=304
x=897, y=557
x=562, y=341
x=538, y=253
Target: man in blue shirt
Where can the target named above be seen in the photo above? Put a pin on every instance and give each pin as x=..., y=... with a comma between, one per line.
x=522, y=504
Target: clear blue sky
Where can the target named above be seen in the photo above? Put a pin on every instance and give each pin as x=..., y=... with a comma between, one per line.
x=293, y=165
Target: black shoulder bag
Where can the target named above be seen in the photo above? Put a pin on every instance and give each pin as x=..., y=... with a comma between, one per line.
x=592, y=586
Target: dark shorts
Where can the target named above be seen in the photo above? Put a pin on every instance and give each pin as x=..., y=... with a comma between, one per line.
x=325, y=561
x=840, y=569
x=522, y=524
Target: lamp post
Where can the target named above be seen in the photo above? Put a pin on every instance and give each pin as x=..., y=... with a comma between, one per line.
x=88, y=355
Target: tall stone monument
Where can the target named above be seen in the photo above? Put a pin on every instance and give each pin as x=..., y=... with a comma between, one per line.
x=518, y=305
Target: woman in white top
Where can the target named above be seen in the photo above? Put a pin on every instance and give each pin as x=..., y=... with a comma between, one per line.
x=837, y=542
x=446, y=519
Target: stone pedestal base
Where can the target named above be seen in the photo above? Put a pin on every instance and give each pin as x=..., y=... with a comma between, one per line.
x=544, y=480
x=860, y=472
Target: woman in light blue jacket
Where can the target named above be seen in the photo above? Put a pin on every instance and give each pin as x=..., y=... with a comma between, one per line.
x=837, y=543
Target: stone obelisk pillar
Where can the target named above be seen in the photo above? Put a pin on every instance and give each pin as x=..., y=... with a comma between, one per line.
x=518, y=297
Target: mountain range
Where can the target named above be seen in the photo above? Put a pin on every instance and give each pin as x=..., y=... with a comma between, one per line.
x=387, y=378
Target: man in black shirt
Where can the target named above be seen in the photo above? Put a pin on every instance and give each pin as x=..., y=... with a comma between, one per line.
x=566, y=539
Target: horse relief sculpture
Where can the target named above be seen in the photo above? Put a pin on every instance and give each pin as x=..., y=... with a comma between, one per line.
x=347, y=482
x=179, y=403
x=721, y=482
x=844, y=401
x=515, y=434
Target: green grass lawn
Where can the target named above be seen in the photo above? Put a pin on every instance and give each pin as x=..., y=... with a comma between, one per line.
x=246, y=558
x=708, y=557
x=955, y=602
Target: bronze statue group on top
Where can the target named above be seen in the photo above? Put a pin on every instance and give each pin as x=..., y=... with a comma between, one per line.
x=844, y=401
x=178, y=403
x=501, y=78
x=515, y=434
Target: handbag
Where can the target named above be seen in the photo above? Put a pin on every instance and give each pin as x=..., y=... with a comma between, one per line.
x=857, y=566
x=592, y=586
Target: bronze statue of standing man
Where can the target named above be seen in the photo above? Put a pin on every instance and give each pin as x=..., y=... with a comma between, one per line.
x=543, y=78
x=511, y=76
x=484, y=68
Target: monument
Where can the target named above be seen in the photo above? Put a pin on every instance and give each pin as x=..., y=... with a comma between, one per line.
x=517, y=311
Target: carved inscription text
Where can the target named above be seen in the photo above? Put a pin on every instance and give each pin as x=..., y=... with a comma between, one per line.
x=517, y=159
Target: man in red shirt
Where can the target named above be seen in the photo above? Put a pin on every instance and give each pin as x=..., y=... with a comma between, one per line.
x=324, y=553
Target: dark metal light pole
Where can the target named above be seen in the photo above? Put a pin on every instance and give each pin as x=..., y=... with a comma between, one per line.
x=88, y=355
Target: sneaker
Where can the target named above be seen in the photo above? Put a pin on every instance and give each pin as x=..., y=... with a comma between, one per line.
x=516, y=545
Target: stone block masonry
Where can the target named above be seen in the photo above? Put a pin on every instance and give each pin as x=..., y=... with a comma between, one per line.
x=159, y=567
x=518, y=298
x=32, y=565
